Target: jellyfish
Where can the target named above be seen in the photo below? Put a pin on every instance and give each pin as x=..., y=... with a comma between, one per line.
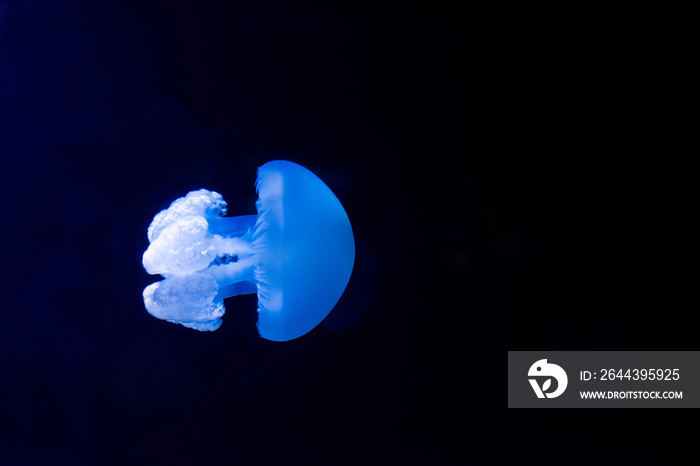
x=297, y=254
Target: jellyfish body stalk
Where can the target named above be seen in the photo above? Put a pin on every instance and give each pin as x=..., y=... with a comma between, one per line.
x=234, y=266
x=231, y=227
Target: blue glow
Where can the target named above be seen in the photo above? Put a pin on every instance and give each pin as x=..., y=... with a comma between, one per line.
x=297, y=254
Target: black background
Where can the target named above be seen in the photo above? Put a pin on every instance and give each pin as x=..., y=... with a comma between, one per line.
x=511, y=174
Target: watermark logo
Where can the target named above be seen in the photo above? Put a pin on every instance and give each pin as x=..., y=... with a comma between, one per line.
x=545, y=371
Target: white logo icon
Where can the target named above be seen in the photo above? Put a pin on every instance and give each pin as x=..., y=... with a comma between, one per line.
x=543, y=369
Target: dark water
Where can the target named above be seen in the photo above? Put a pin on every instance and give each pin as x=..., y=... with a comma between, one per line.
x=506, y=171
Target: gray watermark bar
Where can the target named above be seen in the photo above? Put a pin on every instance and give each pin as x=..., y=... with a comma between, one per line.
x=604, y=379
